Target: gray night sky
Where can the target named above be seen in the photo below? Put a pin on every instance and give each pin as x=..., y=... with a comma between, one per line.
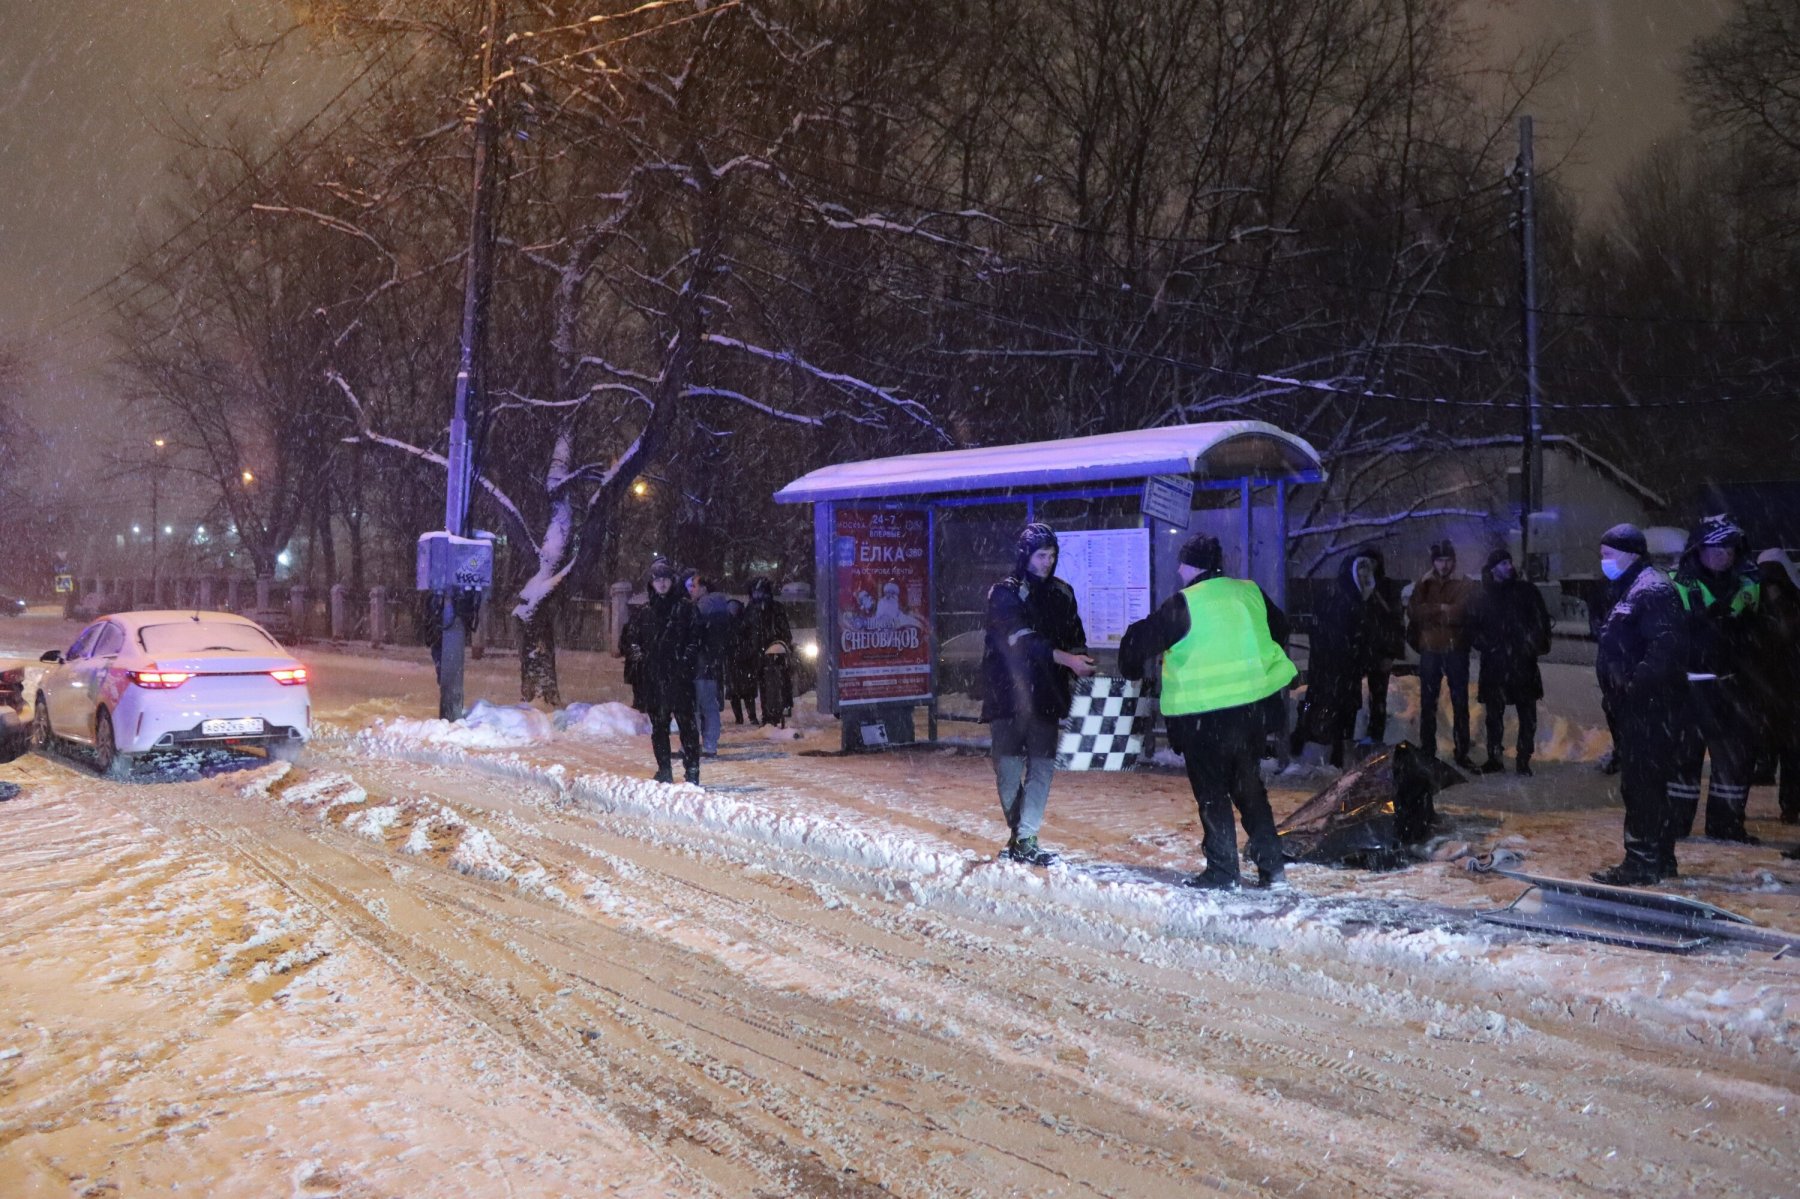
x=85, y=83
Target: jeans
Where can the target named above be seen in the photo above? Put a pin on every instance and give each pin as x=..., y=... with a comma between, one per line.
x=1434, y=668
x=1024, y=750
x=706, y=697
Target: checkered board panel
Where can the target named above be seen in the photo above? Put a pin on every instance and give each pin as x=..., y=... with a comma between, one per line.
x=1102, y=730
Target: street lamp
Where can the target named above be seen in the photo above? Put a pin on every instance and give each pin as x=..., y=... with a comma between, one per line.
x=155, y=496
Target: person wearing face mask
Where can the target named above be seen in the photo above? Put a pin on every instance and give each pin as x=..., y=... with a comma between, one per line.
x=661, y=642
x=1509, y=626
x=1719, y=592
x=1221, y=641
x=1437, y=627
x=1641, y=660
x=1034, y=649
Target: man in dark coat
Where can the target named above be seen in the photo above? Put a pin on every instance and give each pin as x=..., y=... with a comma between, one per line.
x=1343, y=652
x=1034, y=648
x=1509, y=627
x=765, y=642
x=1719, y=592
x=1776, y=681
x=1437, y=627
x=662, y=653
x=741, y=678
x=1641, y=660
x=1223, y=639
x=1385, y=616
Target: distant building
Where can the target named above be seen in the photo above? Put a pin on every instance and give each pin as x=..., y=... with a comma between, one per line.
x=1402, y=502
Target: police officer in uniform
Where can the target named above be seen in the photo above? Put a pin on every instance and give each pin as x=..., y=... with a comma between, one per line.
x=1640, y=659
x=1721, y=597
x=1221, y=641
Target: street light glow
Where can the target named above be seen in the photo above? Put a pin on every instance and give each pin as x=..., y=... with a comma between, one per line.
x=159, y=443
x=640, y=488
x=249, y=478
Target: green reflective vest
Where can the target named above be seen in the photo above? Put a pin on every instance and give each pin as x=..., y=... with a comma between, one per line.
x=1227, y=658
x=1745, y=598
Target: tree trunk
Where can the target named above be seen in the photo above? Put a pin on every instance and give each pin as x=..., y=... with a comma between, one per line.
x=537, y=656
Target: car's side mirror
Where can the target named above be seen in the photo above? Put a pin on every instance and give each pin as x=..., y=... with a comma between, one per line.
x=51, y=655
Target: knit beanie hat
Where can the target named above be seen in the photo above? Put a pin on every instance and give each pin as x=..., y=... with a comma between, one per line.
x=1627, y=537
x=1032, y=538
x=1497, y=557
x=1443, y=549
x=662, y=568
x=1203, y=552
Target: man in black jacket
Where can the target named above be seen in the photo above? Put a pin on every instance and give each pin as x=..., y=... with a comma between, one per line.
x=1641, y=661
x=1509, y=627
x=1034, y=649
x=662, y=653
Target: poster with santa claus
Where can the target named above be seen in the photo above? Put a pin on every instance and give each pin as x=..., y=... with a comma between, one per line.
x=883, y=634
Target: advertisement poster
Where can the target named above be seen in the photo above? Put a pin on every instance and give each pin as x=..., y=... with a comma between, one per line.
x=1109, y=570
x=883, y=571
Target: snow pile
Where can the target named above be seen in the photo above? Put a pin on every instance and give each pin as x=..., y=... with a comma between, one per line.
x=602, y=722
x=487, y=726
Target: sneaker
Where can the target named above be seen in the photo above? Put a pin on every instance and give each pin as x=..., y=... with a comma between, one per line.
x=1492, y=766
x=1628, y=873
x=1206, y=880
x=1026, y=851
x=1524, y=766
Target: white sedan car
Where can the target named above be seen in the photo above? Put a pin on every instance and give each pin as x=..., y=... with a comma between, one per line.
x=141, y=681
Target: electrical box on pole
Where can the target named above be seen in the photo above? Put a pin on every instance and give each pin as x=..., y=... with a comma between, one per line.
x=459, y=462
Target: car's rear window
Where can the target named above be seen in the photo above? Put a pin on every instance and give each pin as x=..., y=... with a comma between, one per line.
x=193, y=637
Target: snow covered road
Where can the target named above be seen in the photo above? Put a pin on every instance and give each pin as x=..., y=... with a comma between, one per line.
x=406, y=967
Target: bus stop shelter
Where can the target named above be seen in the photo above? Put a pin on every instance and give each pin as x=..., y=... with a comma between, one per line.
x=906, y=547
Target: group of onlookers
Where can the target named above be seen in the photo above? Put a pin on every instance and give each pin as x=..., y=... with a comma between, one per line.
x=690, y=649
x=1701, y=665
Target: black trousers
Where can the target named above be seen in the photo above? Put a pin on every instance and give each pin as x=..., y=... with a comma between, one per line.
x=1222, y=750
x=1378, y=693
x=1718, y=724
x=1647, y=763
x=690, y=741
x=1496, y=729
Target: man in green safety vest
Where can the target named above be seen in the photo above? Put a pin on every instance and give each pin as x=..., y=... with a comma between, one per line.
x=1222, y=644
x=1722, y=601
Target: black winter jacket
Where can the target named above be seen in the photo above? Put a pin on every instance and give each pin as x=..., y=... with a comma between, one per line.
x=1509, y=626
x=1027, y=620
x=1642, y=656
x=662, y=653
x=715, y=636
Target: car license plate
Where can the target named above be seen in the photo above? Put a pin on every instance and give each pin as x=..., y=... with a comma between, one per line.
x=231, y=728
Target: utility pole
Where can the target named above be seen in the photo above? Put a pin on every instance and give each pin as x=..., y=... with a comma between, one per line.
x=476, y=277
x=1531, y=469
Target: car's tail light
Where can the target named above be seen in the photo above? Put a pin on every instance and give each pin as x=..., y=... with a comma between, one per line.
x=159, y=680
x=290, y=678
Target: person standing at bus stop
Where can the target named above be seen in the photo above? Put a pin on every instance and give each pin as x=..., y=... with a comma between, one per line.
x=1221, y=640
x=1034, y=650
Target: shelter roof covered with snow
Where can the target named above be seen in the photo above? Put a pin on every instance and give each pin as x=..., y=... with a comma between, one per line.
x=1226, y=451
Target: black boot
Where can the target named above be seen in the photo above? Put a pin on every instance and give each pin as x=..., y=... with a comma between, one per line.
x=1493, y=765
x=1632, y=872
x=1524, y=765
